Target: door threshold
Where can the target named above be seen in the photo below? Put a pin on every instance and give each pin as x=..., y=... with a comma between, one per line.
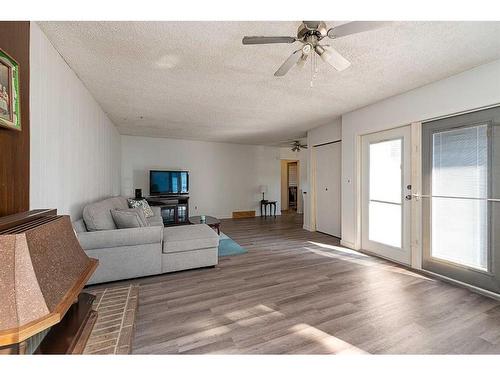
x=331, y=235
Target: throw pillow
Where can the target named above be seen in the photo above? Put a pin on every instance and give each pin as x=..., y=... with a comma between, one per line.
x=129, y=218
x=148, y=212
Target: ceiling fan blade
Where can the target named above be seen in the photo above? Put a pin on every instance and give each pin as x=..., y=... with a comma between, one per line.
x=288, y=64
x=268, y=39
x=332, y=57
x=355, y=27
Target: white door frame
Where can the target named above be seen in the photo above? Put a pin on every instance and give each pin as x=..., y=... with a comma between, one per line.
x=403, y=254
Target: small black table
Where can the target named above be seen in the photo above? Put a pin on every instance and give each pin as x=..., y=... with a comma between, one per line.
x=264, y=203
x=211, y=221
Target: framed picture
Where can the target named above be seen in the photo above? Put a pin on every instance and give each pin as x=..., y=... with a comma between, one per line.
x=9, y=92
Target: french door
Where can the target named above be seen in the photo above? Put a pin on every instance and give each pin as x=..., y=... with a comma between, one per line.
x=386, y=194
x=460, y=198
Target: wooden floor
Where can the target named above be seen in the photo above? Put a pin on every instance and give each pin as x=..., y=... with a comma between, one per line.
x=300, y=292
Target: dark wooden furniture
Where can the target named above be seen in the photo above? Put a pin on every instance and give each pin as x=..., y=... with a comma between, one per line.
x=211, y=221
x=14, y=144
x=174, y=209
x=44, y=270
x=264, y=204
x=243, y=214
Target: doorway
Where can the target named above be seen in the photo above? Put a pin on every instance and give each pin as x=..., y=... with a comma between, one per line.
x=386, y=194
x=291, y=201
x=328, y=181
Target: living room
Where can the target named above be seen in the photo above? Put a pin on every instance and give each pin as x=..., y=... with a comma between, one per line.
x=249, y=187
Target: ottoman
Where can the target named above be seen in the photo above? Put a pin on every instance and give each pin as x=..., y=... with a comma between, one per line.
x=189, y=246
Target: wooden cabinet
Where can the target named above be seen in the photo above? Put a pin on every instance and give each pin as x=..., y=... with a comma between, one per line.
x=174, y=209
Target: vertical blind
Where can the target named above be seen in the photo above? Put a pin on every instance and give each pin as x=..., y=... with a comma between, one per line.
x=459, y=192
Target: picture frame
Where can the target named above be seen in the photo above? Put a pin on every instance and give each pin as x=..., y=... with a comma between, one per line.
x=10, y=116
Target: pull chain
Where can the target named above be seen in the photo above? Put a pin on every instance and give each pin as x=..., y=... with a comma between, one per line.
x=314, y=68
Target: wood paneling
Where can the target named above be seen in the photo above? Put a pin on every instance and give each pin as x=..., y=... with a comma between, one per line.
x=15, y=145
x=75, y=148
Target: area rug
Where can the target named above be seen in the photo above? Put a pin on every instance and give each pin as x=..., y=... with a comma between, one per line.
x=114, y=328
x=227, y=246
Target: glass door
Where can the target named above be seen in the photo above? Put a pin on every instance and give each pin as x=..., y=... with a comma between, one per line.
x=386, y=194
x=461, y=184
x=168, y=215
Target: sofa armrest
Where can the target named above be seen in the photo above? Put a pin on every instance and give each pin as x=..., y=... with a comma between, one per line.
x=120, y=237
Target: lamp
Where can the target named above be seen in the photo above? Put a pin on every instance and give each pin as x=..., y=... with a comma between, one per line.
x=263, y=190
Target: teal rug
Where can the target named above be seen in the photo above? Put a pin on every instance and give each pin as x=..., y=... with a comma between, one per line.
x=228, y=247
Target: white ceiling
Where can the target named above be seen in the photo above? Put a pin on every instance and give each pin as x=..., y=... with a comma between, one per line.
x=195, y=80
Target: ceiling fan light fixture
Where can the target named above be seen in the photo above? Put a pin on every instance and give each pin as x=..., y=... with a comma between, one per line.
x=323, y=53
x=332, y=57
x=306, y=49
x=310, y=33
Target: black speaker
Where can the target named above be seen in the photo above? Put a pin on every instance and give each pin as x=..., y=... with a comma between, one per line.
x=138, y=193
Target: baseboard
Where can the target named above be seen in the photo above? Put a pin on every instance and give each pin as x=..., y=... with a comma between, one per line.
x=350, y=245
x=308, y=228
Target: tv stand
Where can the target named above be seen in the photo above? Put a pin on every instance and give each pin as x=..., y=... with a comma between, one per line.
x=174, y=208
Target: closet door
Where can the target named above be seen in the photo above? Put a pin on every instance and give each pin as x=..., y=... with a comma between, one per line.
x=328, y=178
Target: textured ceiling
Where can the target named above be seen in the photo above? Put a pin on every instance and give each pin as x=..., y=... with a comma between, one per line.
x=196, y=80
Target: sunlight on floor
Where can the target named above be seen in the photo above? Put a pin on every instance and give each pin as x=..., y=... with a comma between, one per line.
x=208, y=334
x=329, y=342
x=338, y=248
x=388, y=266
x=363, y=260
x=253, y=315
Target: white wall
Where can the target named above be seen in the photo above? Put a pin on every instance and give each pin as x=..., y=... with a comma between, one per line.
x=327, y=133
x=324, y=134
x=75, y=148
x=472, y=89
x=223, y=177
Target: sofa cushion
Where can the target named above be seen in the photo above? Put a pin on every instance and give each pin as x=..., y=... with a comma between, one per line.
x=129, y=218
x=189, y=237
x=142, y=203
x=97, y=216
x=120, y=237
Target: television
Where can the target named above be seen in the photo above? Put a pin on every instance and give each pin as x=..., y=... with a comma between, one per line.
x=168, y=182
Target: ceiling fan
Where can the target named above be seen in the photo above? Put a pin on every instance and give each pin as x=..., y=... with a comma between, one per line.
x=296, y=146
x=310, y=34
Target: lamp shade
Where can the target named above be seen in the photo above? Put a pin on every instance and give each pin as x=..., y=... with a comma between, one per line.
x=263, y=188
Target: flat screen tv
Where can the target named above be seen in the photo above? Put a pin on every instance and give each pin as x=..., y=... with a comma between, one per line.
x=168, y=182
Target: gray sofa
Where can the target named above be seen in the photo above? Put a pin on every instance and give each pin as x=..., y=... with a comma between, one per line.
x=144, y=251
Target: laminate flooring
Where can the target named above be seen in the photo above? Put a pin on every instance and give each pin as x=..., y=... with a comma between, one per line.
x=300, y=292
